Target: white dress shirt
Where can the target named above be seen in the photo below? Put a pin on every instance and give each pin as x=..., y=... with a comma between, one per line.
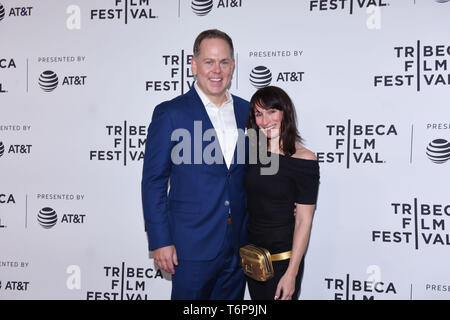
x=224, y=122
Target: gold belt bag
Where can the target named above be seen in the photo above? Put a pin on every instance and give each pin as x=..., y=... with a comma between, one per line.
x=257, y=262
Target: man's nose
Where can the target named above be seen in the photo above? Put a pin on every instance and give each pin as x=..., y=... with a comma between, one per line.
x=216, y=68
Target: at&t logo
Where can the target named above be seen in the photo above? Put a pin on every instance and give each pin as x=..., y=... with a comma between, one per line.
x=48, y=80
x=438, y=151
x=15, y=149
x=47, y=218
x=15, y=12
x=261, y=77
x=2, y=12
x=203, y=7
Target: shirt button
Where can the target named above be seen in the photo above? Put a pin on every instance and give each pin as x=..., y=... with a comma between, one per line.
x=227, y=203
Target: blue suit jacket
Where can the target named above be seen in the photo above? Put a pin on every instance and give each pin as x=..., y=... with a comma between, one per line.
x=193, y=214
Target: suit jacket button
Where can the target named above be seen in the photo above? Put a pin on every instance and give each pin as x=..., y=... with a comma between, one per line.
x=227, y=203
x=228, y=175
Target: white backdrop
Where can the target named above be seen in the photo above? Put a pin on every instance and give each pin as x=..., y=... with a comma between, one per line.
x=370, y=82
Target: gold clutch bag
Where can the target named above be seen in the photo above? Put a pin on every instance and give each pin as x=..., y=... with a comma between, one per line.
x=257, y=262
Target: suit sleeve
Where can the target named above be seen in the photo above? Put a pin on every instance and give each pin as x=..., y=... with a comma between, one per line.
x=155, y=177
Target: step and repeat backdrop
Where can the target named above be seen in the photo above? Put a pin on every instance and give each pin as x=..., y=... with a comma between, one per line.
x=79, y=81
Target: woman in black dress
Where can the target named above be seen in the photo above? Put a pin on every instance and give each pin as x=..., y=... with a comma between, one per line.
x=273, y=198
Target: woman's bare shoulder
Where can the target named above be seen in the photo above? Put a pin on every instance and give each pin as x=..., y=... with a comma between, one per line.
x=303, y=153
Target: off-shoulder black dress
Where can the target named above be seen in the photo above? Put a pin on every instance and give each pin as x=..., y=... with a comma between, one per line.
x=270, y=200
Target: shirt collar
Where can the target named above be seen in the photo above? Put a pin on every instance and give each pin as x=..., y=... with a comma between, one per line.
x=205, y=99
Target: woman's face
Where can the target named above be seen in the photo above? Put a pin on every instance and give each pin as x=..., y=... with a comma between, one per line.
x=269, y=121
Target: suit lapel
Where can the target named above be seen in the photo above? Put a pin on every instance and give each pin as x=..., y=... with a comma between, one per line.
x=241, y=123
x=198, y=109
x=240, y=113
x=199, y=113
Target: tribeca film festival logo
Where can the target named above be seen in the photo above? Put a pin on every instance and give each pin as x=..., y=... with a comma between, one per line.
x=14, y=12
x=128, y=144
x=356, y=143
x=48, y=217
x=352, y=288
x=200, y=148
x=203, y=7
x=123, y=10
x=180, y=78
x=345, y=5
x=126, y=283
x=422, y=65
x=421, y=224
x=6, y=64
x=6, y=200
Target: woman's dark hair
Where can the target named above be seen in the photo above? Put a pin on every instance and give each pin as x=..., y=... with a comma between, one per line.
x=272, y=97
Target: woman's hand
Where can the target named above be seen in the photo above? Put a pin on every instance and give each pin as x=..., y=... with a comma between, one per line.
x=286, y=287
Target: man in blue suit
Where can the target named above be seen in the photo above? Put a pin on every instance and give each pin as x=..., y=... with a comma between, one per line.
x=196, y=229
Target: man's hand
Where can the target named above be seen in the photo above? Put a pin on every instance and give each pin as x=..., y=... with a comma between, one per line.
x=166, y=258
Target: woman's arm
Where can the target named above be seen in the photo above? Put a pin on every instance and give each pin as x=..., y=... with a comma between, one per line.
x=303, y=222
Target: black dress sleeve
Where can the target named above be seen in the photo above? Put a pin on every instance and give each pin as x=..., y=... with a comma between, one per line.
x=306, y=178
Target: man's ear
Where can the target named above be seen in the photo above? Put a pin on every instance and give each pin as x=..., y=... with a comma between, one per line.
x=194, y=66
